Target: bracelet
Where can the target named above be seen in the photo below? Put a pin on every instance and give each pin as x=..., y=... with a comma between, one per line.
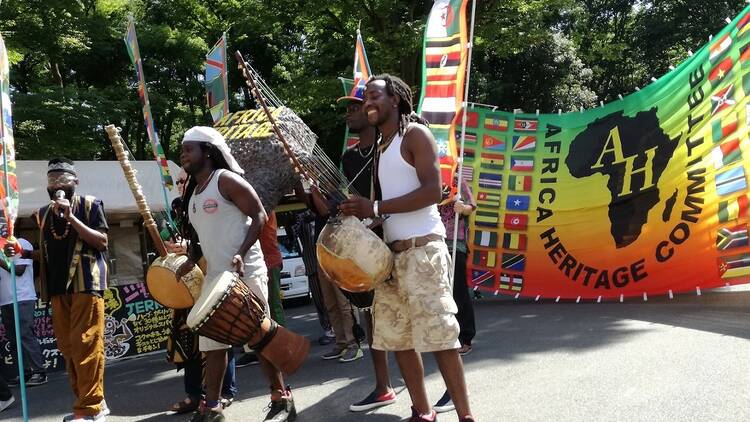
x=375, y=206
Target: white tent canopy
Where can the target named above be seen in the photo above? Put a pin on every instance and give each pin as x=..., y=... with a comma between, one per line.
x=103, y=179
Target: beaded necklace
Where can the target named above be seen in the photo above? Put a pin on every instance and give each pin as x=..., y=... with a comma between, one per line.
x=60, y=236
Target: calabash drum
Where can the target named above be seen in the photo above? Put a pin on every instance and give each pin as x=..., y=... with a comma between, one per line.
x=232, y=314
x=166, y=289
x=353, y=257
x=360, y=300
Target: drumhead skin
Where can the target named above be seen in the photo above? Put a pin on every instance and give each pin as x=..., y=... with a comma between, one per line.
x=210, y=296
x=163, y=285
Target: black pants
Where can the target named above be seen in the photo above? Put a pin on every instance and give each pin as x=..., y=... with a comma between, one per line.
x=465, y=315
x=5, y=392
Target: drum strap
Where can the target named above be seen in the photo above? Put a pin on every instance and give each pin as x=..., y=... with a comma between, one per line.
x=267, y=338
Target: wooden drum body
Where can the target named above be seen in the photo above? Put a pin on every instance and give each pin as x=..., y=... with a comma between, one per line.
x=232, y=314
x=352, y=256
x=166, y=289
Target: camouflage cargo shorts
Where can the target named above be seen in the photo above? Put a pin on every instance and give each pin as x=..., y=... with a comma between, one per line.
x=415, y=309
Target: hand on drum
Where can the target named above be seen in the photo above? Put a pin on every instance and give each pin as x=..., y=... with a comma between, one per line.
x=238, y=265
x=357, y=206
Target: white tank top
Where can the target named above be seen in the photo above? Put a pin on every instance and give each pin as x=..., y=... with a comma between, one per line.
x=221, y=228
x=397, y=178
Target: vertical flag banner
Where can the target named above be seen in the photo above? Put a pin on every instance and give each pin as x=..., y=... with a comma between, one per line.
x=217, y=87
x=355, y=87
x=8, y=198
x=443, y=75
x=131, y=42
x=648, y=194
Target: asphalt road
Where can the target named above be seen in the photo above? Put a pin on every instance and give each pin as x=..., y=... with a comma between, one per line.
x=681, y=360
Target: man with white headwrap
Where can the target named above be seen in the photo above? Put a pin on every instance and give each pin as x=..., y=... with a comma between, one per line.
x=226, y=216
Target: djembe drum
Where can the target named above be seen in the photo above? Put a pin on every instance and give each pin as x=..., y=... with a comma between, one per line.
x=232, y=314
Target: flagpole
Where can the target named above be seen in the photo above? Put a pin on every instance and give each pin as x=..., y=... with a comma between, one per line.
x=9, y=262
x=470, y=48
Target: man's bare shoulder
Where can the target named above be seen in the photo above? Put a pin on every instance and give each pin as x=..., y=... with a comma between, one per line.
x=232, y=179
x=419, y=135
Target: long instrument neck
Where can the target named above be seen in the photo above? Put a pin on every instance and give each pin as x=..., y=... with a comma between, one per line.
x=148, y=220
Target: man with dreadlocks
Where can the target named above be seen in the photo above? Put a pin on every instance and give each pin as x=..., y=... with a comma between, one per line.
x=226, y=217
x=414, y=311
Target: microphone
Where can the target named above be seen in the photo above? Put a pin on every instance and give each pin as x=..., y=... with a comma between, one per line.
x=60, y=194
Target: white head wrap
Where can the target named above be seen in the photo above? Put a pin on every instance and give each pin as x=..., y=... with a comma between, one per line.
x=212, y=136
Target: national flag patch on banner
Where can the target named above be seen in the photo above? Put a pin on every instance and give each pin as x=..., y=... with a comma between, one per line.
x=732, y=237
x=488, y=199
x=469, y=137
x=472, y=121
x=726, y=153
x=721, y=128
x=469, y=155
x=526, y=125
x=722, y=99
x=516, y=221
x=467, y=173
x=511, y=281
x=718, y=48
x=490, y=180
x=515, y=241
x=496, y=122
x=484, y=238
x=486, y=218
x=730, y=181
x=492, y=161
x=734, y=266
x=519, y=183
x=493, y=143
x=517, y=202
x=745, y=55
x=719, y=72
x=513, y=261
x=522, y=163
x=742, y=26
x=733, y=209
x=524, y=143
x=484, y=258
x=482, y=278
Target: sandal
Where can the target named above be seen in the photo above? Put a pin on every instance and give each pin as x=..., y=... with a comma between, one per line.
x=465, y=350
x=187, y=405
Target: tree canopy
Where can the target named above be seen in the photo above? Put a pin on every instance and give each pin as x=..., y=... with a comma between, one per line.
x=71, y=75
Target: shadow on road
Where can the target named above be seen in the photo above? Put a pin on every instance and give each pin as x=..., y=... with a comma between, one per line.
x=508, y=330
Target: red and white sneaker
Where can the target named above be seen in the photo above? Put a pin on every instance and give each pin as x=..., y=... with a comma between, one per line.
x=374, y=400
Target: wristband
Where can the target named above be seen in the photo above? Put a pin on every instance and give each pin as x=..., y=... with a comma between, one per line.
x=375, y=206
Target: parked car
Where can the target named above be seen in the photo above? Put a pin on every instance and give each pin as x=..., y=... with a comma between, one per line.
x=294, y=285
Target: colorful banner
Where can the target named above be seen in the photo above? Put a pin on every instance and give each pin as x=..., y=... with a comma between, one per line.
x=134, y=323
x=443, y=75
x=9, y=195
x=217, y=87
x=355, y=87
x=646, y=195
x=131, y=42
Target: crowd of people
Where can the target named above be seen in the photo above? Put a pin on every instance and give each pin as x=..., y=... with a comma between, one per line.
x=222, y=226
